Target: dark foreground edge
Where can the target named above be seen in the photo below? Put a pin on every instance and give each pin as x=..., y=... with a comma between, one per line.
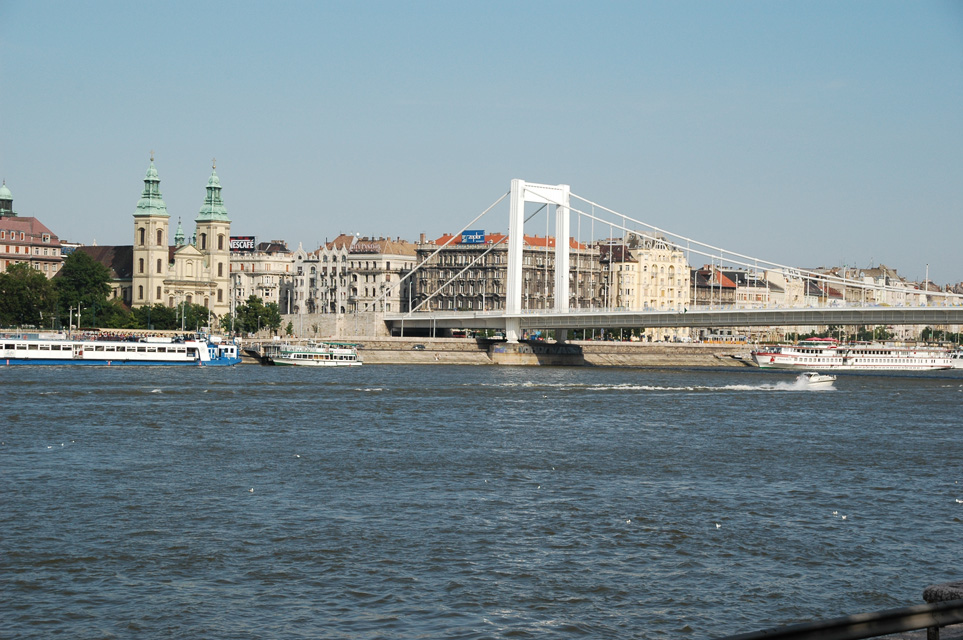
x=867, y=625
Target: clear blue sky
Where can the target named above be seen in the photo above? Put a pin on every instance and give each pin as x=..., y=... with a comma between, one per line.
x=808, y=133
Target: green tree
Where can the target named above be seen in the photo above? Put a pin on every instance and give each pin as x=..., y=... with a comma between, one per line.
x=272, y=316
x=289, y=330
x=230, y=322
x=155, y=316
x=84, y=281
x=27, y=297
x=113, y=315
x=191, y=316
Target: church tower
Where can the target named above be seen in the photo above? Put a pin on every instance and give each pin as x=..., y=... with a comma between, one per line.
x=6, y=201
x=151, y=257
x=213, y=240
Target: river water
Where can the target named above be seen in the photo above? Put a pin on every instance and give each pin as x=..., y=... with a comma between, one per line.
x=467, y=502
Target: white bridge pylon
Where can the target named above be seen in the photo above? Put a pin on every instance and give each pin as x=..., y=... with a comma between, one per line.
x=557, y=195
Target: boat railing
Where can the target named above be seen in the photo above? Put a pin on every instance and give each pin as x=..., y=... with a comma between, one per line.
x=867, y=625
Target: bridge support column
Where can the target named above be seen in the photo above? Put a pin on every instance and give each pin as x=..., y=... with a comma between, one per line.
x=522, y=192
x=513, y=329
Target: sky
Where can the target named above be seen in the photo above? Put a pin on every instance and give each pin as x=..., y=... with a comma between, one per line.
x=804, y=133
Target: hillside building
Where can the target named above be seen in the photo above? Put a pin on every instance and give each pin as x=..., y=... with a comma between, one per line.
x=26, y=239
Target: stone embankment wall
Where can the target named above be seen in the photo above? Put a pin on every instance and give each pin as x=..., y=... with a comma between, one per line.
x=387, y=350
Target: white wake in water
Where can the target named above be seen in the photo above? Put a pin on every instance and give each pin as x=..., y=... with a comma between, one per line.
x=799, y=384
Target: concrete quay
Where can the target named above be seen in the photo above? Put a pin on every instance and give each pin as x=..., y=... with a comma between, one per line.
x=469, y=351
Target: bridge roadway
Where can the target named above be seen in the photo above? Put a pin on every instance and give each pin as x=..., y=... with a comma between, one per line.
x=694, y=317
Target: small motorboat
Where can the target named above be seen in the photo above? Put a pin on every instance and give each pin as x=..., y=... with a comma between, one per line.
x=816, y=379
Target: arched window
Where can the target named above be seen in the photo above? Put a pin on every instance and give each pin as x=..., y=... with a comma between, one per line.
x=220, y=271
x=207, y=303
x=203, y=241
x=140, y=269
x=190, y=299
x=158, y=293
x=160, y=237
x=140, y=292
x=220, y=242
x=220, y=295
x=170, y=301
x=142, y=235
x=158, y=265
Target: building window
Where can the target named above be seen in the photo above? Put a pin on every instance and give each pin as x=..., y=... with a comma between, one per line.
x=220, y=295
x=158, y=266
x=220, y=270
x=158, y=292
x=203, y=241
x=140, y=269
x=140, y=292
x=142, y=234
x=160, y=237
x=220, y=242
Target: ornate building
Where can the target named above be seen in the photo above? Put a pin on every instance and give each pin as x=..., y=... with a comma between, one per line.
x=154, y=272
x=26, y=239
x=472, y=275
x=350, y=274
x=261, y=272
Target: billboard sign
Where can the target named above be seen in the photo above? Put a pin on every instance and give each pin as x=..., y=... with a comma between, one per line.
x=242, y=243
x=475, y=236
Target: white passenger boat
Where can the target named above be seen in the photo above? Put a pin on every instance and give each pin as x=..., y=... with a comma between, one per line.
x=57, y=349
x=827, y=353
x=816, y=379
x=321, y=354
x=956, y=357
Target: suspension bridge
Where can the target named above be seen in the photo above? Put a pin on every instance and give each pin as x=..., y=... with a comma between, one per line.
x=839, y=300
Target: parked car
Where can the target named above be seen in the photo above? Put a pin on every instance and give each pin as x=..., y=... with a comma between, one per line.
x=418, y=347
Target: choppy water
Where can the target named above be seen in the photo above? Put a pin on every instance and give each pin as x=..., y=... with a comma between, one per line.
x=467, y=502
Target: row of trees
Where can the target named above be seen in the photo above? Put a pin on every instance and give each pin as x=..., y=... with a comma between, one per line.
x=79, y=295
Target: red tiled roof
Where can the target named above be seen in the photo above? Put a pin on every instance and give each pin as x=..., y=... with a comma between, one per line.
x=119, y=259
x=30, y=226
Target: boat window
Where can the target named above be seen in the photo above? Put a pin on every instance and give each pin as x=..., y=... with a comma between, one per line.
x=99, y=347
x=32, y=347
x=141, y=349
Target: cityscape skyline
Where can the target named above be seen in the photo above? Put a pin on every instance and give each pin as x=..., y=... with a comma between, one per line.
x=830, y=133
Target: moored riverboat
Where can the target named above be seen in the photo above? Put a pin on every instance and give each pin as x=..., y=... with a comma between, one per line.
x=58, y=349
x=321, y=354
x=827, y=353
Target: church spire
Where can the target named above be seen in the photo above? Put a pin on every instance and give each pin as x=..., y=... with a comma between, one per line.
x=179, y=235
x=151, y=202
x=213, y=207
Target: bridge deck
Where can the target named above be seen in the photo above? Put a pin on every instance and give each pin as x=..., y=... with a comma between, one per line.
x=609, y=318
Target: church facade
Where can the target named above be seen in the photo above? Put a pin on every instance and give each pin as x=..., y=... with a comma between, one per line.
x=154, y=271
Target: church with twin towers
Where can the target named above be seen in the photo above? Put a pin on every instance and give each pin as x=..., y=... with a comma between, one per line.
x=154, y=271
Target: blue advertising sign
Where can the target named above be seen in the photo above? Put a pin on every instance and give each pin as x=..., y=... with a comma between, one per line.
x=476, y=236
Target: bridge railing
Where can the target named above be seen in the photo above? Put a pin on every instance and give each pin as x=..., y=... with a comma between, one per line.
x=867, y=625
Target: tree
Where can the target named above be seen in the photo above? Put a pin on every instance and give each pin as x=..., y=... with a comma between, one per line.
x=156, y=316
x=272, y=316
x=289, y=330
x=26, y=297
x=114, y=315
x=84, y=281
